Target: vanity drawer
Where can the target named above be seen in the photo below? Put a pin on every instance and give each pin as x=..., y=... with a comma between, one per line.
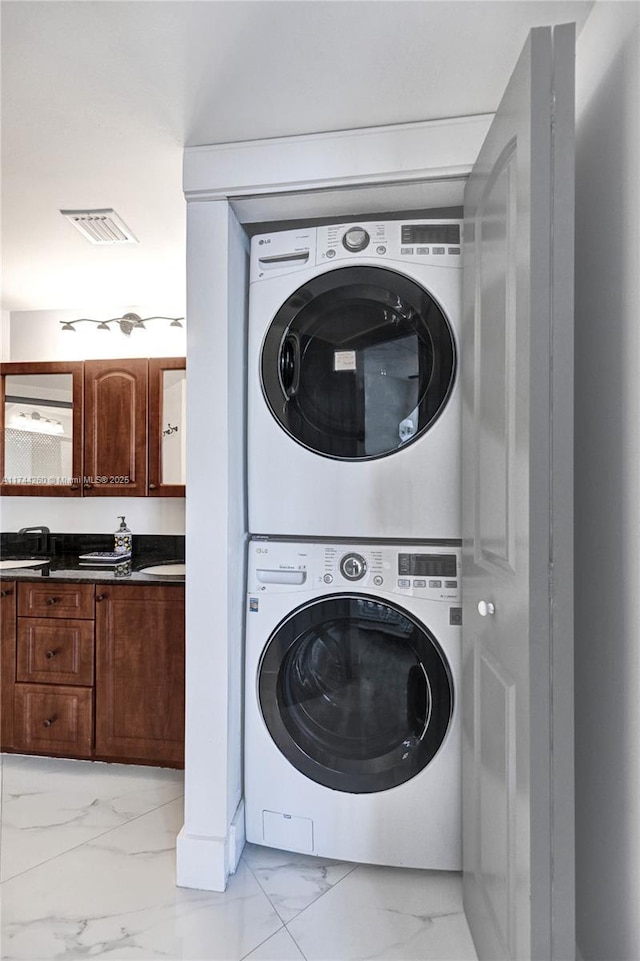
x=42, y=599
x=55, y=651
x=53, y=720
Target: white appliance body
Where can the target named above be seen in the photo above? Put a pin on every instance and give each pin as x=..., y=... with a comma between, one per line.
x=353, y=393
x=415, y=822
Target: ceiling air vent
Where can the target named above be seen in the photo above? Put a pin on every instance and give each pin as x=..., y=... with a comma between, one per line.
x=100, y=226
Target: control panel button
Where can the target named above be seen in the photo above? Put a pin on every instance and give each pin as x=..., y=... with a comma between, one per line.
x=437, y=250
x=381, y=249
x=328, y=578
x=378, y=580
x=450, y=583
x=353, y=567
x=406, y=250
x=435, y=583
x=453, y=250
x=404, y=582
x=330, y=253
x=422, y=250
x=356, y=238
x=420, y=583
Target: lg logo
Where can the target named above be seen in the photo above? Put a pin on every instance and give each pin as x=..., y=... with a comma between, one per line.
x=262, y=550
x=264, y=241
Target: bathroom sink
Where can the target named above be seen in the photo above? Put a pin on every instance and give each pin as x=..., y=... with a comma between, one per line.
x=9, y=565
x=164, y=570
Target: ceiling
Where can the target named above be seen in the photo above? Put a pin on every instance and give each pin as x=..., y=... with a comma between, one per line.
x=99, y=99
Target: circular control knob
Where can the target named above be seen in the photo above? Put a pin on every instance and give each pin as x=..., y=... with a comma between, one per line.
x=356, y=238
x=378, y=580
x=353, y=567
x=328, y=578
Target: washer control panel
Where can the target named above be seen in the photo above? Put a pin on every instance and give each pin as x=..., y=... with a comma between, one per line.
x=427, y=571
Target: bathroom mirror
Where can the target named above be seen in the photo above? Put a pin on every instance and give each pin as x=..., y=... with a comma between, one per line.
x=167, y=422
x=41, y=449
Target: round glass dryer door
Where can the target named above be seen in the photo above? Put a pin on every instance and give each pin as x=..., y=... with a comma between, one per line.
x=356, y=694
x=358, y=363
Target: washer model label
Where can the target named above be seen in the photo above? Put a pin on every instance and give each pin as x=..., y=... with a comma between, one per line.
x=344, y=360
x=254, y=605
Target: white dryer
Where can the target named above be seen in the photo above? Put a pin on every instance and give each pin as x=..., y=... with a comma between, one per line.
x=353, y=394
x=352, y=714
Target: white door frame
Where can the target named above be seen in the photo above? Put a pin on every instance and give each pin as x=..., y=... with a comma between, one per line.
x=408, y=166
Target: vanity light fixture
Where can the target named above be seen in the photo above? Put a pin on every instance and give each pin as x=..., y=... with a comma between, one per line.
x=35, y=423
x=126, y=323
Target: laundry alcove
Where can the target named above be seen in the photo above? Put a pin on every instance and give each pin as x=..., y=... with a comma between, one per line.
x=234, y=190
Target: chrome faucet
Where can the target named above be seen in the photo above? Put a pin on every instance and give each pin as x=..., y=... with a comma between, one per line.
x=42, y=539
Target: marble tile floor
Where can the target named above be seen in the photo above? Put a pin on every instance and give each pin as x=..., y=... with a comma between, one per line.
x=87, y=865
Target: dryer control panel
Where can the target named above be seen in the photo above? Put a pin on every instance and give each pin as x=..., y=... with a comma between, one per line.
x=434, y=242
x=432, y=572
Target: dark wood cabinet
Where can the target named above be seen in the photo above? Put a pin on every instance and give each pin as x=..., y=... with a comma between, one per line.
x=52, y=719
x=115, y=428
x=167, y=422
x=41, y=429
x=94, y=428
x=93, y=671
x=140, y=674
x=7, y=660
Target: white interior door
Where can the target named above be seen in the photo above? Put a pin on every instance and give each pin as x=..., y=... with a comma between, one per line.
x=517, y=516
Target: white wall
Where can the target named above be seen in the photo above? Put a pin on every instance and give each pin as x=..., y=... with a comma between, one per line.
x=36, y=335
x=607, y=646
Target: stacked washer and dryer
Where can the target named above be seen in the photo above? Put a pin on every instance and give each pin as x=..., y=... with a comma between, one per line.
x=353, y=660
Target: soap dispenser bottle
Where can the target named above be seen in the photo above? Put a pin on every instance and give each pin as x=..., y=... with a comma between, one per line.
x=122, y=538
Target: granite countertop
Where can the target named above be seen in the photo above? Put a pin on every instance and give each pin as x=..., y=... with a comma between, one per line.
x=61, y=563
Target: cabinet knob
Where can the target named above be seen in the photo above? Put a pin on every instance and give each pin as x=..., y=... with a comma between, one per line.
x=152, y=487
x=74, y=487
x=87, y=486
x=51, y=654
x=51, y=600
x=50, y=720
x=5, y=593
x=101, y=597
x=486, y=607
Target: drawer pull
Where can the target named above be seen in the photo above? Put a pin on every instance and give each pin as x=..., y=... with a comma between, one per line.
x=5, y=593
x=101, y=597
x=87, y=487
x=52, y=600
x=152, y=487
x=50, y=720
x=51, y=654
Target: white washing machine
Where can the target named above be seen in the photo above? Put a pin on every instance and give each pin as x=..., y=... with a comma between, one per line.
x=353, y=395
x=352, y=714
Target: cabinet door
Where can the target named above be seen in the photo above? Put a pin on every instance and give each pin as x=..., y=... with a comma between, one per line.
x=7, y=660
x=167, y=422
x=140, y=673
x=55, y=651
x=115, y=428
x=41, y=429
x=54, y=719
x=50, y=599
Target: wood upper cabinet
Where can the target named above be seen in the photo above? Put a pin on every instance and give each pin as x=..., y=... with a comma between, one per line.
x=41, y=429
x=115, y=428
x=140, y=673
x=7, y=660
x=167, y=422
x=93, y=428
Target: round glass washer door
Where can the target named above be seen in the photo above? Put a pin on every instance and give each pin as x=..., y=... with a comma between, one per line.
x=358, y=363
x=356, y=694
